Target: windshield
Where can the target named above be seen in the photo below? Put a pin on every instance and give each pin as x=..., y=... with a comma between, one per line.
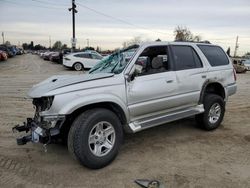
x=116, y=62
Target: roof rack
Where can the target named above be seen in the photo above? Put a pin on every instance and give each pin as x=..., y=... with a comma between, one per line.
x=205, y=41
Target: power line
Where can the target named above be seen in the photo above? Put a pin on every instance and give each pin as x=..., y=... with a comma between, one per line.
x=49, y=3
x=39, y=6
x=118, y=19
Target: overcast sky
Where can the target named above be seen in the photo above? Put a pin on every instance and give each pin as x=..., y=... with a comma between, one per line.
x=108, y=23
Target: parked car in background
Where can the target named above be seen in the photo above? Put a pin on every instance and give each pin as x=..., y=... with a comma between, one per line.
x=56, y=57
x=239, y=66
x=7, y=50
x=13, y=49
x=247, y=64
x=47, y=55
x=19, y=51
x=82, y=60
x=3, y=56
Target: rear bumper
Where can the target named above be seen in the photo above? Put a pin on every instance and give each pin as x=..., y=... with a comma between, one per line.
x=67, y=63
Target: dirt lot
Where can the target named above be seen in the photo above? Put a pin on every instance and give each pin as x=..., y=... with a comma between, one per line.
x=177, y=154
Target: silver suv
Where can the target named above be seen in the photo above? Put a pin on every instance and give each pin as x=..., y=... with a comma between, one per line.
x=131, y=90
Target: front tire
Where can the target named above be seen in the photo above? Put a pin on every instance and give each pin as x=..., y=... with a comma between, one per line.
x=95, y=138
x=214, y=112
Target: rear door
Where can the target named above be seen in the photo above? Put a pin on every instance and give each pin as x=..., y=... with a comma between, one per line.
x=190, y=72
x=87, y=60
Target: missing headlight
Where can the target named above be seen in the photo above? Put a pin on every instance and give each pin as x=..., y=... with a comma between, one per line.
x=43, y=103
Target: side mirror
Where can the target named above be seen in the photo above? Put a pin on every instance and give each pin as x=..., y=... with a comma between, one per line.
x=136, y=70
x=130, y=76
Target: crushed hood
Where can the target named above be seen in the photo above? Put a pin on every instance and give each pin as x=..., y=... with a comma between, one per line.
x=56, y=82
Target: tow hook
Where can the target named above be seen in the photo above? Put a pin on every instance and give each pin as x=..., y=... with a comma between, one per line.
x=25, y=127
x=31, y=125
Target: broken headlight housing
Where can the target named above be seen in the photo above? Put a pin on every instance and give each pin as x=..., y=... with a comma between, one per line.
x=43, y=103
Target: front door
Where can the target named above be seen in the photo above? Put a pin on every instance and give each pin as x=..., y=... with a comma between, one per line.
x=154, y=86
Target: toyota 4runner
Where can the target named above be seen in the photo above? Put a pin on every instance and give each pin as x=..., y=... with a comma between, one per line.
x=133, y=89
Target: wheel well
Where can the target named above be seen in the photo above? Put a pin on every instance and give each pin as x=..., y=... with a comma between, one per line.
x=78, y=62
x=215, y=88
x=108, y=105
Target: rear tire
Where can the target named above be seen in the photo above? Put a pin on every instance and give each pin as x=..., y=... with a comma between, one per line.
x=95, y=138
x=78, y=66
x=214, y=112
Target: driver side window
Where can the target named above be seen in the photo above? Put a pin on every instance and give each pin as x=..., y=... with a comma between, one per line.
x=152, y=60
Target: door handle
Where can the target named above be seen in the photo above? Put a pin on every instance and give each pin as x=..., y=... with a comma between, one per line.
x=203, y=76
x=169, y=81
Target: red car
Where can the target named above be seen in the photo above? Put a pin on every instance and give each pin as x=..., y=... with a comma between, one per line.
x=3, y=56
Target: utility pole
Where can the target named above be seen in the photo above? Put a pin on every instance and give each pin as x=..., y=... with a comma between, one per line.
x=73, y=9
x=3, y=36
x=87, y=42
x=49, y=42
x=236, y=46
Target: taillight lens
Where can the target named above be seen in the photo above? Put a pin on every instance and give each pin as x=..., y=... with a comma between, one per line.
x=66, y=58
x=235, y=77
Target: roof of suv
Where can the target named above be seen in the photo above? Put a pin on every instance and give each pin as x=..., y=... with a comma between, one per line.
x=155, y=43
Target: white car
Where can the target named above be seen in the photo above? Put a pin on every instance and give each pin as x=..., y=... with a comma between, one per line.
x=247, y=64
x=82, y=60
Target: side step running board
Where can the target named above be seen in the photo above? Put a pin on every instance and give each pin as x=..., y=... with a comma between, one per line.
x=146, y=123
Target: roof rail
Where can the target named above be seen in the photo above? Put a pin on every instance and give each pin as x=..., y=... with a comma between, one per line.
x=204, y=41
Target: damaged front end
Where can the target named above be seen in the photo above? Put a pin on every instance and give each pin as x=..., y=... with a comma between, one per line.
x=41, y=129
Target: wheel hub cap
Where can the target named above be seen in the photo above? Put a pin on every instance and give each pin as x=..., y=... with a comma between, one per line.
x=101, y=138
x=214, y=113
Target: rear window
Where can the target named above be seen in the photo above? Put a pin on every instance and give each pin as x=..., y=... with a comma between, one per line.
x=83, y=55
x=215, y=55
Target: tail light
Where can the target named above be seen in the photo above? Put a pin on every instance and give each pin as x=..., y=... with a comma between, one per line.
x=235, y=77
x=66, y=58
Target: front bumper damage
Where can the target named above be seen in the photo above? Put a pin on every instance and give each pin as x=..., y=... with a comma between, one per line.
x=37, y=132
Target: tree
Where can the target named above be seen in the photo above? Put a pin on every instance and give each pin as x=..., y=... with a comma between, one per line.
x=57, y=45
x=25, y=46
x=184, y=34
x=88, y=48
x=39, y=47
x=133, y=41
x=98, y=49
x=64, y=46
x=7, y=43
x=31, y=45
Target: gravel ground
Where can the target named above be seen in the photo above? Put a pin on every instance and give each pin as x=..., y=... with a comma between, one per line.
x=177, y=154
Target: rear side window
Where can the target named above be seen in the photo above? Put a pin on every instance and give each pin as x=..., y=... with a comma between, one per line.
x=215, y=55
x=185, y=58
x=83, y=56
x=95, y=56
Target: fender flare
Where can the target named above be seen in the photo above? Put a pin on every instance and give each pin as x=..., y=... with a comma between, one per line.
x=206, y=83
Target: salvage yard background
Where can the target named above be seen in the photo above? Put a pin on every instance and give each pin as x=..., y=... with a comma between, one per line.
x=177, y=154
